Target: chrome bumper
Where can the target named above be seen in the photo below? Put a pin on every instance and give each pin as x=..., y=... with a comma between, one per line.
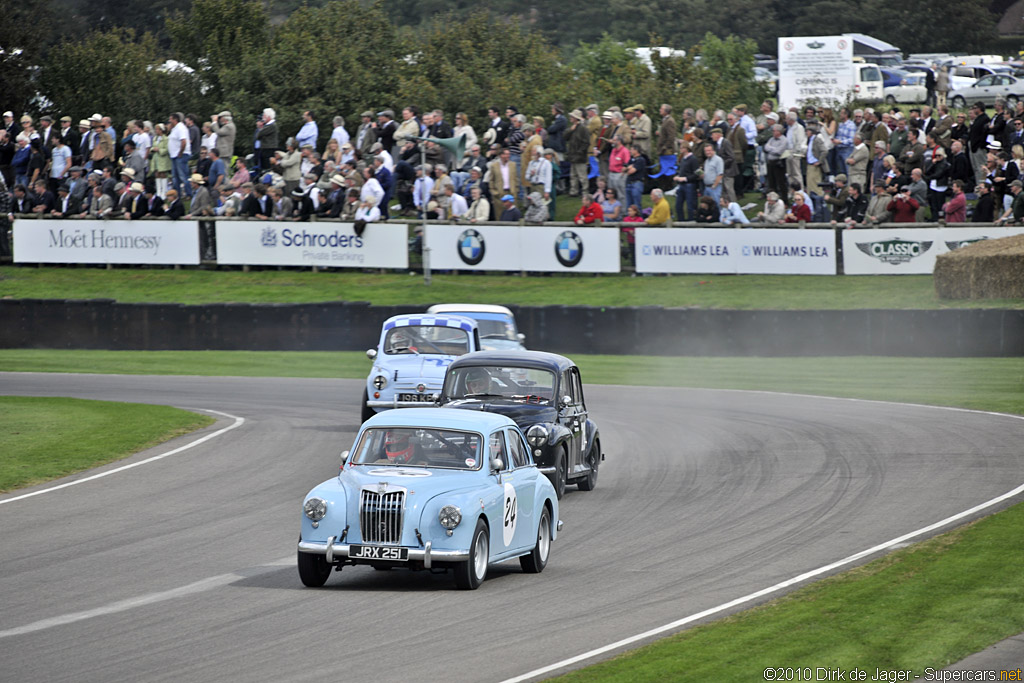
x=427, y=554
x=395, y=403
x=547, y=470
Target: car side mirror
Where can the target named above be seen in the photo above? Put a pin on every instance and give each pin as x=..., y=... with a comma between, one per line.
x=521, y=337
x=565, y=401
x=344, y=457
x=497, y=464
x=371, y=354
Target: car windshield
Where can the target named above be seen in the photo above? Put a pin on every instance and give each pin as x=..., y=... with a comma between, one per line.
x=419, y=339
x=529, y=385
x=418, y=447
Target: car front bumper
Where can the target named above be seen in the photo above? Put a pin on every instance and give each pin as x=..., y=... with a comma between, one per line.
x=395, y=403
x=427, y=555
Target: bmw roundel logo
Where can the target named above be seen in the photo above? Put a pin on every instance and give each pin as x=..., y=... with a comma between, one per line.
x=471, y=247
x=569, y=249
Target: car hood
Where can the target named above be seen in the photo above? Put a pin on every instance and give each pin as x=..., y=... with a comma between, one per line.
x=421, y=483
x=414, y=366
x=523, y=414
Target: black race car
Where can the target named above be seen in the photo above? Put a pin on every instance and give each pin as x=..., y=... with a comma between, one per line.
x=543, y=394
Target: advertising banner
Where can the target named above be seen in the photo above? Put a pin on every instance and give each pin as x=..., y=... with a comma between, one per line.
x=532, y=248
x=99, y=241
x=686, y=250
x=786, y=252
x=888, y=251
x=815, y=68
x=335, y=245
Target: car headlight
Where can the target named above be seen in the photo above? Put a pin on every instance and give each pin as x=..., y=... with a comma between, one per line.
x=449, y=516
x=537, y=435
x=315, y=509
x=379, y=382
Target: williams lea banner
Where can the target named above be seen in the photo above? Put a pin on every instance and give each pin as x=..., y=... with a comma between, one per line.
x=99, y=241
x=335, y=245
x=732, y=250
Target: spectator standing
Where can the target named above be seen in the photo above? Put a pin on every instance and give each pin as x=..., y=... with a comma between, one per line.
x=224, y=127
x=179, y=150
x=309, y=132
x=577, y=153
x=160, y=160
x=267, y=136
x=978, y=136
x=955, y=210
x=510, y=212
x=937, y=176
x=985, y=208
x=556, y=131
x=903, y=206
x=60, y=163
x=338, y=132
x=366, y=134
x=796, y=135
x=712, y=174
x=617, y=160
x=686, y=179
x=636, y=175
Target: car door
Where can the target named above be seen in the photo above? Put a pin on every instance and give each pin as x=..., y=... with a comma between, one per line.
x=524, y=479
x=506, y=522
x=581, y=414
x=569, y=417
x=983, y=90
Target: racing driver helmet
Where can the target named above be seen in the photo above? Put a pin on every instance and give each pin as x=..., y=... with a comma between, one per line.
x=398, y=446
x=478, y=381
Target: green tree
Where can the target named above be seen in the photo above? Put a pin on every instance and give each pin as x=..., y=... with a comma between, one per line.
x=118, y=74
x=612, y=70
x=23, y=31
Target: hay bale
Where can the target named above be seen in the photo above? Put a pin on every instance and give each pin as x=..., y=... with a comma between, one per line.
x=990, y=269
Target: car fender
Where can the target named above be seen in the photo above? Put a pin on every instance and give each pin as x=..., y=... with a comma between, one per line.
x=472, y=502
x=334, y=522
x=593, y=435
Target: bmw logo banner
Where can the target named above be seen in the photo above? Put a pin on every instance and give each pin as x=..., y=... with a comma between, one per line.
x=523, y=248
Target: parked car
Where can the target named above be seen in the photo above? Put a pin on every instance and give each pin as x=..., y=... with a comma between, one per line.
x=768, y=77
x=987, y=89
x=910, y=90
x=411, y=357
x=543, y=393
x=498, y=330
x=429, y=488
x=891, y=76
x=867, y=83
x=961, y=77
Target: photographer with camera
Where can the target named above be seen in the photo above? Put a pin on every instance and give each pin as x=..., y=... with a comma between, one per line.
x=903, y=207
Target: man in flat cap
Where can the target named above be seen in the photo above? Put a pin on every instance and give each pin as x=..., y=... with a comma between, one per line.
x=366, y=134
x=640, y=125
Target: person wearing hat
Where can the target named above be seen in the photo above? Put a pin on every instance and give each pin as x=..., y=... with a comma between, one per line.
x=510, y=212
x=47, y=132
x=223, y=126
x=577, y=153
x=202, y=204
x=134, y=159
x=385, y=128
x=69, y=134
x=65, y=205
x=640, y=126
x=102, y=145
x=135, y=205
x=10, y=126
x=1015, y=212
x=366, y=134
x=290, y=163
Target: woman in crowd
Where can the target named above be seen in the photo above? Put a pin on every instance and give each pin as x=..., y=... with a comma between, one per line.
x=160, y=160
x=611, y=206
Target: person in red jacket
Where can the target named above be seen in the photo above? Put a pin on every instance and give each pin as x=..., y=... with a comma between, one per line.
x=955, y=210
x=799, y=211
x=903, y=207
x=590, y=211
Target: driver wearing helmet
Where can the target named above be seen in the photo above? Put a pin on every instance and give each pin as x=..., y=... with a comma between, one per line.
x=478, y=381
x=402, y=340
x=399, y=447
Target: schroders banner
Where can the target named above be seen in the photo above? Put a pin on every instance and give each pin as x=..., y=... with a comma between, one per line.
x=911, y=251
x=731, y=250
x=286, y=243
x=112, y=241
x=534, y=248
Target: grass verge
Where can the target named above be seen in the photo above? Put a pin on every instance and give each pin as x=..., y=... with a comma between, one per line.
x=770, y=292
x=47, y=438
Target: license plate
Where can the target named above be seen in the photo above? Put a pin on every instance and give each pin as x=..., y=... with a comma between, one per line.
x=378, y=552
x=417, y=398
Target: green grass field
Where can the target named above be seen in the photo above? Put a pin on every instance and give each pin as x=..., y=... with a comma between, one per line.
x=771, y=292
x=47, y=438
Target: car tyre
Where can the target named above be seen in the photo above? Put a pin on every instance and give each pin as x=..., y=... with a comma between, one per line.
x=535, y=562
x=560, y=479
x=589, y=482
x=889, y=99
x=471, y=573
x=313, y=569
x=958, y=102
x=367, y=411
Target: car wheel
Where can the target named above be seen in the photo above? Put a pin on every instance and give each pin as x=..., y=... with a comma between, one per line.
x=313, y=569
x=889, y=99
x=535, y=562
x=561, y=465
x=471, y=573
x=958, y=102
x=367, y=411
x=589, y=482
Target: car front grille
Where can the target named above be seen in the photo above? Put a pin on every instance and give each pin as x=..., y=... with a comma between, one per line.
x=380, y=516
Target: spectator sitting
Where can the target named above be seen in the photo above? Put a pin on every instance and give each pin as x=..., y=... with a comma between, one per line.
x=511, y=213
x=878, y=206
x=799, y=212
x=707, y=210
x=611, y=207
x=479, y=208
x=774, y=210
x=590, y=212
x=661, y=214
x=536, y=208
x=730, y=212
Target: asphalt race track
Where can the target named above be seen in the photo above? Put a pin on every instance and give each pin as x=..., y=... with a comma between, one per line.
x=183, y=568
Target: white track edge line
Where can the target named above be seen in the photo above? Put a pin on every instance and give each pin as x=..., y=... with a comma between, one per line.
x=238, y=421
x=750, y=597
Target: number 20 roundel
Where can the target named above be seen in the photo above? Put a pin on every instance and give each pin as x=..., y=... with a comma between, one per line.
x=510, y=514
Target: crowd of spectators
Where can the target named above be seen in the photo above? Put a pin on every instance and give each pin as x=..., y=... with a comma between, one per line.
x=853, y=167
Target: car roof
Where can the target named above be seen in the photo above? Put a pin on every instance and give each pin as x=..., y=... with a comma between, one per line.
x=468, y=308
x=408, y=319
x=519, y=359
x=440, y=418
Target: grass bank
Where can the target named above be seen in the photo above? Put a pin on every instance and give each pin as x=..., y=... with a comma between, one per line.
x=47, y=438
x=790, y=292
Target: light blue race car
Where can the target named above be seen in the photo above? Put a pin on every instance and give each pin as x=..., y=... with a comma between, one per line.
x=411, y=358
x=431, y=489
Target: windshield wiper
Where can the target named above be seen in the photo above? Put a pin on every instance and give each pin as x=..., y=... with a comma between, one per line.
x=483, y=395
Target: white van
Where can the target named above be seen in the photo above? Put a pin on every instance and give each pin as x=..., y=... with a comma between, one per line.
x=867, y=82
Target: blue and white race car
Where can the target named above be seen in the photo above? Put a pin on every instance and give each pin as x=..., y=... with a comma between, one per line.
x=411, y=358
x=431, y=488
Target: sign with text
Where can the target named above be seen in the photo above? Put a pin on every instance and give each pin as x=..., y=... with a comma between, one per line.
x=730, y=250
x=910, y=251
x=328, y=244
x=815, y=68
x=533, y=248
x=110, y=241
